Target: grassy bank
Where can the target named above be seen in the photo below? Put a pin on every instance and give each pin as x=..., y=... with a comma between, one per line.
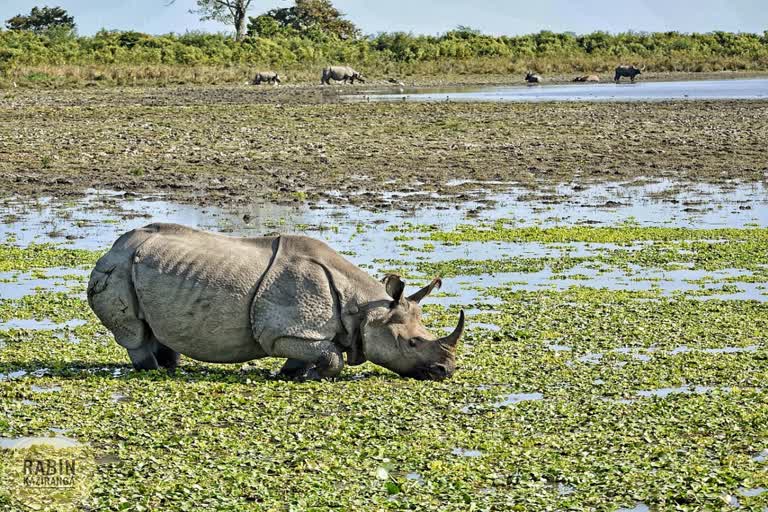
x=128, y=58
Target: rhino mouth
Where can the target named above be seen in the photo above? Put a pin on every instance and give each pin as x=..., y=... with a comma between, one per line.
x=435, y=371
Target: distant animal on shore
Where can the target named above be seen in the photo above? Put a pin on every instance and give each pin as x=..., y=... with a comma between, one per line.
x=395, y=81
x=587, y=78
x=630, y=71
x=266, y=76
x=532, y=78
x=340, y=73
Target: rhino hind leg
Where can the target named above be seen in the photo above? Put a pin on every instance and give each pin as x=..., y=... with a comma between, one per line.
x=113, y=299
x=143, y=357
x=152, y=355
x=166, y=357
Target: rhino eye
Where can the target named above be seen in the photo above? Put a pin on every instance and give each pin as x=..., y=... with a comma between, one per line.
x=415, y=341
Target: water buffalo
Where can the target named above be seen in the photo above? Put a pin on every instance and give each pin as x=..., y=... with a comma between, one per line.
x=532, y=78
x=587, y=78
x=166, y=289
x=339, y=73
x=630, y=71
x=266, y=76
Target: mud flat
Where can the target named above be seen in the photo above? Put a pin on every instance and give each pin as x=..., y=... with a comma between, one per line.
x=234, y=145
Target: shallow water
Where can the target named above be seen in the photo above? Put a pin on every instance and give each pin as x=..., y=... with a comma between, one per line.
x=39, y=325
x=14, y=284
x=96, y=220
x=57, y=441
x=463, y=452
x=515, y=398
x=639, y=507
x=368, y=238
x=687, y=390
x=755, y=88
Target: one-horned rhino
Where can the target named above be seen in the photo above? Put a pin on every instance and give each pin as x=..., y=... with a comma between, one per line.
x=166, y=289
x=339, y=73
x=269, y=77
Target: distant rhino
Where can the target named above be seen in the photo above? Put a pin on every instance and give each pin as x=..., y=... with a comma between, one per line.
x=266, y=76
x=166, y=289
x=587, y=78
x=340, y=73
x=630, y=71
x=532, y=78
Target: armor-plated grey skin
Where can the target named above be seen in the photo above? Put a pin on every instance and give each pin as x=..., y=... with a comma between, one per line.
x=532, y=78
x=340, y=73
x=587, y=78
x=266, y=76
x=630, y=71
x=166, y=289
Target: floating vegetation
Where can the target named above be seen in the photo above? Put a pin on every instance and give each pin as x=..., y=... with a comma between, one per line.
x=585, y=396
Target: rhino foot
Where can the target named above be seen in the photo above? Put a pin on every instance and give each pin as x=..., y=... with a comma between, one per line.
x=166, y=357
x=295, y=369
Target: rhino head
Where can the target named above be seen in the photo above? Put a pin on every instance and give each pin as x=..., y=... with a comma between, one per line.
x=394, y=337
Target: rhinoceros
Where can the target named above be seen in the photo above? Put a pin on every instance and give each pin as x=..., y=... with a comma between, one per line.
x=532, y=78
x=266, y=76
x=339, y=73
x=166, y=289
x=630, y=71
x=587, y=78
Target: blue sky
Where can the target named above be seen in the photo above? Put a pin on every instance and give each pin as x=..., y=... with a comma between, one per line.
x=435, y=16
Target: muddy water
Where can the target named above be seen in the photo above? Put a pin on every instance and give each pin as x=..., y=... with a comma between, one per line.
x=369, y=238
x=624, y=91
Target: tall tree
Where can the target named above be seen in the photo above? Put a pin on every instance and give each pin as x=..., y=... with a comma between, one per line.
x=41, y=19
x=230, y=12
x=304, y=16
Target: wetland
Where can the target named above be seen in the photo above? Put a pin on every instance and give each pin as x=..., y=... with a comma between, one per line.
x=612, y=260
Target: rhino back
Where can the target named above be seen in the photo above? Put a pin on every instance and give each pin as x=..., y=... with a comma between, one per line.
x=195, y=290
x=341, y=72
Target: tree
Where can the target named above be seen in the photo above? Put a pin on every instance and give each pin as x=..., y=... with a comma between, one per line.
x=304, y=17
x=41, y=19
x=230, y=12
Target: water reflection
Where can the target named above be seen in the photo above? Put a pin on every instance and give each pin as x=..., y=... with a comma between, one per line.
x=639, y=91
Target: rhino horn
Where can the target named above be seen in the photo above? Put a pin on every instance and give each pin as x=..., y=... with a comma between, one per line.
x=453, y=338
x=416, y=297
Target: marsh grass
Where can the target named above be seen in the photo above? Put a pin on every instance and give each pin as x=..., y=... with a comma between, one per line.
x=481, y=69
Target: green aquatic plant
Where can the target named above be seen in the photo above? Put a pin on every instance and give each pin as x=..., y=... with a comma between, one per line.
x=580, y=399
x=41, y=256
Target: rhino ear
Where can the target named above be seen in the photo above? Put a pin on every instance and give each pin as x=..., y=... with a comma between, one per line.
x=394, y=286
x=436, y=283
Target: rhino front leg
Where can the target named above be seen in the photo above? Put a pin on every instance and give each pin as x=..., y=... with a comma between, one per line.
x=325, y=356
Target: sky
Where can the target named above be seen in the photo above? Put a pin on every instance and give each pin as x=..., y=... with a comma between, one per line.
x=436, y=16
